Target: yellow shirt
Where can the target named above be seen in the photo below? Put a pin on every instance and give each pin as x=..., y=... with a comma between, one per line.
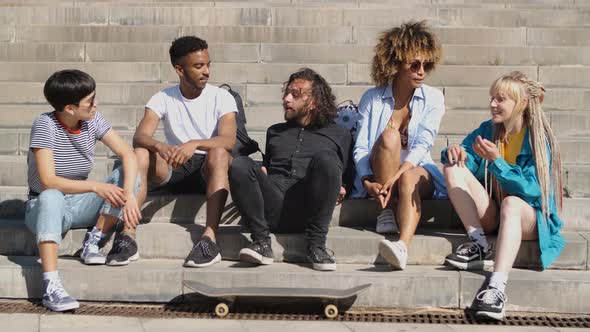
x=511, y=149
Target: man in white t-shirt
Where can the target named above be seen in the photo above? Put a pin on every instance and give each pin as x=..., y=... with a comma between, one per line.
x=200, y=128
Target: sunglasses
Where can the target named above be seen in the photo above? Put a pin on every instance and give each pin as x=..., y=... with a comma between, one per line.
x=91, y=101
x=415, y=65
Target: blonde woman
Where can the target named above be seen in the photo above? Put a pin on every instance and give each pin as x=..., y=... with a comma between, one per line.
x=505, y=176
x=399, y=121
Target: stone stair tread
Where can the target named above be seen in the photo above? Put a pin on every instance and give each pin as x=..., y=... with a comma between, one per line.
x=162, y=208
x=350, y=245
x=157, y=280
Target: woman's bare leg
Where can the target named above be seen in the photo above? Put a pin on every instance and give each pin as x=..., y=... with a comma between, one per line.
x=385, y=155
x=470, y=199
x=518, y=221
x=414, y=185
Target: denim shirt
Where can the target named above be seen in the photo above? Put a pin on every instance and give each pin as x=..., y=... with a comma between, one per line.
x=427, y=107
x=518, y=180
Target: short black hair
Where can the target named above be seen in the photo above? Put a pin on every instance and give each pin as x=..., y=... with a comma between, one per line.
x=68, y=87
x=185, y=45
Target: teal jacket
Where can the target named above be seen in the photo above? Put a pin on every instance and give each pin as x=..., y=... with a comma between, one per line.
x=518, y=180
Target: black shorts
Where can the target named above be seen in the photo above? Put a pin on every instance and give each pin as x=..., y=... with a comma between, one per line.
x=188, y=178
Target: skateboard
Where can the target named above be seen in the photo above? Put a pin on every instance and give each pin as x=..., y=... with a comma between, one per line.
x=332, y=299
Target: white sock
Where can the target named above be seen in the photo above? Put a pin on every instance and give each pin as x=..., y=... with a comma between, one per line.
x=402, y=244
x=498, y=280
x=478, y=236
x=50, y=275
x=97, y=231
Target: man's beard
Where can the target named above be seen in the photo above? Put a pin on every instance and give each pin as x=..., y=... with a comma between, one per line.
x=295, y=115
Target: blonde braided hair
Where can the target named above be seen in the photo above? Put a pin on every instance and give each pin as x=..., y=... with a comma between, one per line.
x=518, y=87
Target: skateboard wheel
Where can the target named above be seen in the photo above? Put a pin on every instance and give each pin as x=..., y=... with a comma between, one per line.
x=331, y=311
x=221, y=310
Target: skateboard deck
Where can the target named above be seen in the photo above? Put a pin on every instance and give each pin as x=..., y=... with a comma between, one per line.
x=331, y=298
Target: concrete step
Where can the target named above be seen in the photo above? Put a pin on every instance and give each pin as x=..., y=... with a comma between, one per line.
x=16, y=120
x=190, y=209
x=264, y=73
x=289, y=53
x=270, y=94
x=13, y=150
x=333, y=15
x=350, y=246
x=516, y=36
x=277, y=73
x=555, y=98
x=418, y=286
x=557, y=4
x=13, y=171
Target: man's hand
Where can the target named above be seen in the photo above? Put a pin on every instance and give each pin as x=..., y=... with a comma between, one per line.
x=263, y=169
x=341, y=195
x=131, y=212
x=181, y=154
x=486, y=149
x=111, y=193
x=456, y=155
x=165, y=151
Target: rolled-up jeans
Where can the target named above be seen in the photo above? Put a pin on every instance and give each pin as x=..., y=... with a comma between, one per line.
x=53, y=213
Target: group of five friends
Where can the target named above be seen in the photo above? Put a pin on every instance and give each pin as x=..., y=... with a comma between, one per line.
x=503, y=178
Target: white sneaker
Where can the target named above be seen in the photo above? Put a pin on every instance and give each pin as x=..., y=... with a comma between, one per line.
x=386, y=222
x=395, y=253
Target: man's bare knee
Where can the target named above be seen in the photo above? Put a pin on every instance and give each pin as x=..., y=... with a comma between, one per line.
x=218, y=159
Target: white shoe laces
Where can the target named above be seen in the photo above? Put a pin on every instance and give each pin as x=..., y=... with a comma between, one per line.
x=55, y=288
x=491, y=295
x=469, y=248
x=91, y=245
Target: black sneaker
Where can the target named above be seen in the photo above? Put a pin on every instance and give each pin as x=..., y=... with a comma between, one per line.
x=470, y=256
x=258, y=252
x=204, y=253
x=321, y=259
x=123, y=251
x=489, y=303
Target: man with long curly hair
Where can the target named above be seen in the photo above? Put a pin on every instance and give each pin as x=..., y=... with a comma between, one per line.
x=300, y=180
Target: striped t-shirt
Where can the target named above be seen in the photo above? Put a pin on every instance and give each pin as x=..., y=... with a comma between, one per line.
x=73, y=151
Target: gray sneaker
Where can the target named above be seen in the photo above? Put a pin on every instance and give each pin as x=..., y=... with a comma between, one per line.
x=56, y=298
x=90, y=252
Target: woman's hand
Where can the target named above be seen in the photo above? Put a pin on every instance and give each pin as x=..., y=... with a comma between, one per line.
x=386, y=190
x=131, y=213
x=486, y=149
x=372, y=188
x=456, y=155
x=111, y=193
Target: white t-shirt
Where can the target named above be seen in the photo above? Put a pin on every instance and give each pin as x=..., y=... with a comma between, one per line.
x=188, y=119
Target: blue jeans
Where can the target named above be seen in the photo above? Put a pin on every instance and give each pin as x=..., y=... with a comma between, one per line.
x=53, y=213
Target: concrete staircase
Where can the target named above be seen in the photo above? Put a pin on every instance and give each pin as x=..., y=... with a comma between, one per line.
x=255, y=45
